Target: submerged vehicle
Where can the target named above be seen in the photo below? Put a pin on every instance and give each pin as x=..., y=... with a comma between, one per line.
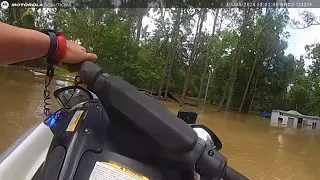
x=112, y=131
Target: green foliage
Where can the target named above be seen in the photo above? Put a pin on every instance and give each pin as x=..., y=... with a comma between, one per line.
x=28, y=19
x=254, y=46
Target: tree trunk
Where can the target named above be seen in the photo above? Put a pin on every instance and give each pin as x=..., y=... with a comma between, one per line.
x=193, y=53
x=167, y=65
x=249, y=82
x=164, y=77
x=207, y=88
x=252, y=71
x=254, y=91
x=170, y=72
x=207, y=58
x=173, y=48
x=237, y=59
x=129, y=32
x=222, y=101
x=233, y=78
x=163, y=44
x=234, y=62
x=221, y=20
x=141, y=12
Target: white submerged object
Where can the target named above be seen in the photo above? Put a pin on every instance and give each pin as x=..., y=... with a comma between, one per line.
x=22, y=160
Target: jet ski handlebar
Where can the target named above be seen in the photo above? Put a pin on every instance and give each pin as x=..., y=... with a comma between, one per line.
x=179, y=142
x=232, y=174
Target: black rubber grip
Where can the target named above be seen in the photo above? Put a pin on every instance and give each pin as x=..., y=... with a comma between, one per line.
x=231, y=174
x=89, y=72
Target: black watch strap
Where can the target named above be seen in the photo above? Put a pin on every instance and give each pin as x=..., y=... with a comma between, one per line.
x=53, y=43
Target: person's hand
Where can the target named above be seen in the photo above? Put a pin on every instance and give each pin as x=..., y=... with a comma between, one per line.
x=75, y=55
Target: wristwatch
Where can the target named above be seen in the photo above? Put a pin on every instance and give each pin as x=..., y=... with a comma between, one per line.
x=58, y=46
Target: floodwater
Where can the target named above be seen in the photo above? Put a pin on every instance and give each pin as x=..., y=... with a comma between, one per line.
x=250, y=144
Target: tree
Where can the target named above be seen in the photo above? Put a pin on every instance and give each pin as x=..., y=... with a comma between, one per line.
x=202, y=15
x=208, y=54
x=308, y=19
x=171, y=53
x=246, y=50
x=233, y=72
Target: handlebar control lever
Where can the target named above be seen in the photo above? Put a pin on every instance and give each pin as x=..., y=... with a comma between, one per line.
x=211, y=165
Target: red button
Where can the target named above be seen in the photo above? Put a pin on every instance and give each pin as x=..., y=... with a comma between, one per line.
x=78, y=79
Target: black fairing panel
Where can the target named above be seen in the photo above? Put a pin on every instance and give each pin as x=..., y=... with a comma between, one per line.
x=55, y=161
x=72, y=155
x=89, y=135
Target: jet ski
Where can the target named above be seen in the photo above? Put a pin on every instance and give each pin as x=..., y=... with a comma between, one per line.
x=112, y=131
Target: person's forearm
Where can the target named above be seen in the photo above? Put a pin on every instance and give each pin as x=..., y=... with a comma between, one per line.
x=19, y=44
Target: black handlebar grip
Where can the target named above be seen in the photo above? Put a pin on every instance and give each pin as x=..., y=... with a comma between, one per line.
x=145, y=112
x=231, y=174
x=89, y=72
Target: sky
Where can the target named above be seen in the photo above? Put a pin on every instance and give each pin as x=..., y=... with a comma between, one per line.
x=301, y=37
x=296, y=42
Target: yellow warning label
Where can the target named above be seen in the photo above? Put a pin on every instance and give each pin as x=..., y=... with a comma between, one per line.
x=74, y=121
x=125, y=169
x=114, y=171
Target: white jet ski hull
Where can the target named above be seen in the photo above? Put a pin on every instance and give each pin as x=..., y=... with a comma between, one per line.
x=22, y=160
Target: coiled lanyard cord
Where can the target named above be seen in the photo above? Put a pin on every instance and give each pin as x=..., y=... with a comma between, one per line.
x=46, y=93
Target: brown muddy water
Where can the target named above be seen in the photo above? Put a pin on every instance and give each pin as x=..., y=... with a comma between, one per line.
x=250, y=144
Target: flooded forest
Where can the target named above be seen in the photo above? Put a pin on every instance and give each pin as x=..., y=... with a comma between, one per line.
x=232, y=58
